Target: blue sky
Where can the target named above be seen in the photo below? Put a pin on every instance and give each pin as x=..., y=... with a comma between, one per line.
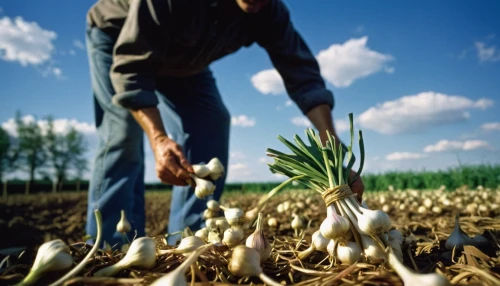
x=421, y=77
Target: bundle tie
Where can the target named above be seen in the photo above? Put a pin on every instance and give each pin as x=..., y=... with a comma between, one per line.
x=337, y=193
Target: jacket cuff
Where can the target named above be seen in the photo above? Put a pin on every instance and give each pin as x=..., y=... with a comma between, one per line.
x=136, y=99
x=308, y=100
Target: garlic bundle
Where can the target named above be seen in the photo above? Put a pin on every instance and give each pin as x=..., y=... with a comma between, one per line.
x=411, y=278
x=123, y=225
x=458, y=238
x=203, y=187
x=245, y=261
x=176, y=277
x=258, y=241
x=53, y=255
x=318, y=242
x=186, y=246
x=141, y=254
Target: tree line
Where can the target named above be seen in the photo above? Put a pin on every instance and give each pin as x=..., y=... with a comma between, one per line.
x=42, y=151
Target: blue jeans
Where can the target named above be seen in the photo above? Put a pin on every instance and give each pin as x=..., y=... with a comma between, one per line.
x=193, y=114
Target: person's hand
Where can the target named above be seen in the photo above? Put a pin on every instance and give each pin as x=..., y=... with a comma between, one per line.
x=357, y=186
x=171, y=165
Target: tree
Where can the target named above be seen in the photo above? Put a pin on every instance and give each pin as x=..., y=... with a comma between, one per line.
x=8, y=158
x=64, y=151
x=31, y=153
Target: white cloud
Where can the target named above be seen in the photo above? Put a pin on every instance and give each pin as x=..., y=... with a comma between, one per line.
x=79, y=44
x=239, y=172
x=57, y=72
x=243, y=121
x=446, y=145
x=72, y=52
x=342, y=64
x=301, y=121
x=265, y=160
x=487, y=54
x=268, y=82
x=61, y=125
x=342, y=125
x=288, y=103
x=491, y=126
x=237, y=155
x=396, y=156
x=417, y=113
x=25, y=42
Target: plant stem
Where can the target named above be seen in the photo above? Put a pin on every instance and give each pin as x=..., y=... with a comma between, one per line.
x=94, y=249
x=328, y=169
x=266, y=279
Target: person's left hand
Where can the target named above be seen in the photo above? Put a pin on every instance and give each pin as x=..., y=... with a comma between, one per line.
x=357, y=186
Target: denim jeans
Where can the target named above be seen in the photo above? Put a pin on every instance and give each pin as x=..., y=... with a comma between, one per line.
x=193, y=114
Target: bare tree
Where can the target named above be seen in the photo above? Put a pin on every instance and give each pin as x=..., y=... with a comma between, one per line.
x=64, y=151
x=7, y=158
x=31, y=153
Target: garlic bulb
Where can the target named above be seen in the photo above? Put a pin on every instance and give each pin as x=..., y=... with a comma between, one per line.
x=334, y=226
x=397, y=235
x=216, y=168
x=176, y=277
x=214, y=236
x=318, y=242
x=222, y=224
x=458, y=238
x=411, y=278
x=209, y=214
x=123, y=225
x=203, y=187
x=211, y=223
x=258, y=241
x=186, y=246
x=245, y=261
x=141, y=254
x=213, y=205
x=297, y=224
x=372, y=222
x=330, y=248
x=201, y=170
x=53, y=255
x=202, y=233
x=371, y=248
x=234, y=216
x=273, y=222
x=233, y=236
x=394, y=243
x=349, y=253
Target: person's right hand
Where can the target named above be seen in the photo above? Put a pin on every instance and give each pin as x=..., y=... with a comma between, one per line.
x=171, y=165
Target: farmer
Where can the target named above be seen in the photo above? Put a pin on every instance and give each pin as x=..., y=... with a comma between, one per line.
x=149, y=64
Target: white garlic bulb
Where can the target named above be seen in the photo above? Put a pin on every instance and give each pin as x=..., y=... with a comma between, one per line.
x=141, y=254
x=334, y=226
x=53, y=255
x=123, y=225
x=349, y=253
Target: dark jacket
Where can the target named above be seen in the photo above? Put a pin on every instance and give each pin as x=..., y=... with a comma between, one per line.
x=178, y=38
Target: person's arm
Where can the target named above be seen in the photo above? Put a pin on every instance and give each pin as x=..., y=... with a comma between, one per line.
x=138, y=54
x=300, y=71
x=297, y=66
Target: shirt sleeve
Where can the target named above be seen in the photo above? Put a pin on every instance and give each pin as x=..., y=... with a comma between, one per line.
x=292, y=58
x=137, y=56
